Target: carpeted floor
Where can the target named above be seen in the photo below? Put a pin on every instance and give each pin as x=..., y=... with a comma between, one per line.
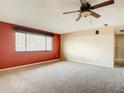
x=63, y=77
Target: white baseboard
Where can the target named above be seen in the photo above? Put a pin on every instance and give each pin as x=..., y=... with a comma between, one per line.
x=91, y=63
x=28, y=65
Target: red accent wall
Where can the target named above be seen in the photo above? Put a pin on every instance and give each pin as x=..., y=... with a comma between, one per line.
x=10, y=58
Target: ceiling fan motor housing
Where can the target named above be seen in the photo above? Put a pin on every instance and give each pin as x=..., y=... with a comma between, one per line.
x=82, y=8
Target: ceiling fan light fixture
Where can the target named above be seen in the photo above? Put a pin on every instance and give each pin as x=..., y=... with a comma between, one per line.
x=85, y=14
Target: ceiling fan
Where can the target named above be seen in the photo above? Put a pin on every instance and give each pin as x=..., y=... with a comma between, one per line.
x=86, y=9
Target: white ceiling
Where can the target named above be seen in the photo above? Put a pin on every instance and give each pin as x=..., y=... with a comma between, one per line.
x=47, y=14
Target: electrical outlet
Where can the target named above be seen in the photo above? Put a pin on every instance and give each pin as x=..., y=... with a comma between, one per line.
x=56, y=55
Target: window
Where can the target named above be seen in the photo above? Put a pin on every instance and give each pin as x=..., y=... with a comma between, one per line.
x=49, y=43
x=26, y=41
x=35, y=42
x=20, y=42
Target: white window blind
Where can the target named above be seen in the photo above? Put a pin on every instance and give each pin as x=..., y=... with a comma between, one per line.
x=49, y=43
x=33, y=42
x=20, y=42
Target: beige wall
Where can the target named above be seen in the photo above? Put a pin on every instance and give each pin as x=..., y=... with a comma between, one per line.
x=86, y=47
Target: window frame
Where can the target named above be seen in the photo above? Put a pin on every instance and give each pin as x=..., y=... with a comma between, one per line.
x=26, y=50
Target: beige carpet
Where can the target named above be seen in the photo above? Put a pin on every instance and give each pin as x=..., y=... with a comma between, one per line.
x=63, y=77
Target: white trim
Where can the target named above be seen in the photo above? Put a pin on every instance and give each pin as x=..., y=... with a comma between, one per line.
x=29, y=65
x=92, y=64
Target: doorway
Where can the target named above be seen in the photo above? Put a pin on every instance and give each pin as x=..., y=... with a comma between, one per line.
x=119, y=57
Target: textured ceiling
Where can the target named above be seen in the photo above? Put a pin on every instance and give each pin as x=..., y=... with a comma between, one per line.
x=47, y=14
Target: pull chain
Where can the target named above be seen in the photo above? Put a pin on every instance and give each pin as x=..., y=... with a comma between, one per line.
x=91, y=21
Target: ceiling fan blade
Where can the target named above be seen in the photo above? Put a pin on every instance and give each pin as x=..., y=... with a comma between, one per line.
x=71, y=12
x=95, y=14
x=103, y=4
x=79, y=17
